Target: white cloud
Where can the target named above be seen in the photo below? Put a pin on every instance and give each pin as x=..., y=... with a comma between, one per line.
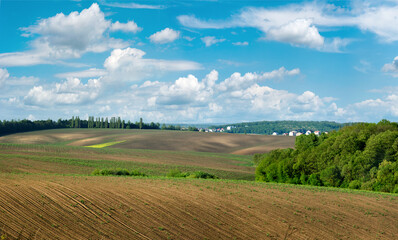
x=166, y=35
x=299, y=24
x=74, y=32
x=133, y=5
x=185, y=90
x=391, y=68
x=130, y=65
x=3, y=76
x=240, y=43
x=63, y=37
x=210, y=40
x=72, y=91
x=237, y=81
x=11, y=83
x=300, y=32
x=92, y=72
x=190, y=39
x=381, y=20
x=130, y=26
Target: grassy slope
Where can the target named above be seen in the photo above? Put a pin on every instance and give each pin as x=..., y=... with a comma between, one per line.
x=23, y=158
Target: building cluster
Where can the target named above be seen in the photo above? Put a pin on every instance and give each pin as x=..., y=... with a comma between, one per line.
x=212, y=130
x=295, y=133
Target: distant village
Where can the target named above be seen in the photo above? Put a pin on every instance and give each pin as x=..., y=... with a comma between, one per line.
x=291, y=133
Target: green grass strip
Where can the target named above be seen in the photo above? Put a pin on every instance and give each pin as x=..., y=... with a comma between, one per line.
x=102, y=145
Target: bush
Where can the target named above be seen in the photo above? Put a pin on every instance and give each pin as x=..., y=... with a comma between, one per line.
x=117, y=172
x=177, y=173
x=198, y=174
x=314, y=180
x=355, y=184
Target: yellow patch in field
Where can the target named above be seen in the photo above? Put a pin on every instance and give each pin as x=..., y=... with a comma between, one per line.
x=102, y=145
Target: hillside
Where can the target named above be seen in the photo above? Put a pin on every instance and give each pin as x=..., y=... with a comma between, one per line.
x=280, y=127
x=155, y=140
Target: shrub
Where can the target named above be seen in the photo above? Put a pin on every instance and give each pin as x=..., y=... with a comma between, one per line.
x=355, y=184
x=314, y=180
x=197, y=174
x=205, y=175
x=117, y=172
x=177, y=173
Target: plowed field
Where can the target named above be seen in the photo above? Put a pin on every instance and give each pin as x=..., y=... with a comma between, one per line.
x=156, y=140
x=47, y=191
x=71, y=207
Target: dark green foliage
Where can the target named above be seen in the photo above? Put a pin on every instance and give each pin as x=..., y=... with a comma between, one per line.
x=268, y=127
x=117, y=172
x=8, y=127
x=197, y=174
x=361, y=156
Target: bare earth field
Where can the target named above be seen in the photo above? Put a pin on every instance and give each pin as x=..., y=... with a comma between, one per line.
x=156, y=140
x=78, y=207
x=47, y=191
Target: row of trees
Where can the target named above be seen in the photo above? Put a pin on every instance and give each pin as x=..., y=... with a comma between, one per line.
x=112, y=122
x=268, y=127
x=14, y=126
x=361, y=156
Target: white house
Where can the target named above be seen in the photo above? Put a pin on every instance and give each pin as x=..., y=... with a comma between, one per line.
x=308, y=132
x=317, y=133
x=299, y=133
x=292, y=133
x=229, y=128
x=274, y=134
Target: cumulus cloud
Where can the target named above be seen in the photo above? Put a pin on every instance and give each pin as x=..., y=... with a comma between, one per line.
x=129, y=64
x=71, y=91
x=391, y=68
x=166, y=35
x=239, y=94
x=300, y=32
x=237, y=81
x=185, y=90
x=299, y=25
x=210, y=40
x=130, y=26
x=3, y=76
x=67, y=36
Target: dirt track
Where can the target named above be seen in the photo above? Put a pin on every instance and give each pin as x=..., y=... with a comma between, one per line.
x=51, y=207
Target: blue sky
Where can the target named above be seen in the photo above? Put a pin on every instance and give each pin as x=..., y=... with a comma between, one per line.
x=199, y=61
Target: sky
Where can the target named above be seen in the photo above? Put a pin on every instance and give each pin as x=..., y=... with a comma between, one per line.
x=199, y=61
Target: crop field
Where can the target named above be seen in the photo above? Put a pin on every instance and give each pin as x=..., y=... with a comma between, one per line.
x=48, y=191
x=90, y=207
x=155, y=140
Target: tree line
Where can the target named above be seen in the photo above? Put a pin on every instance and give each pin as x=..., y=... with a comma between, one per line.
x=269, y=127
x=15, y=126
x=361, y=156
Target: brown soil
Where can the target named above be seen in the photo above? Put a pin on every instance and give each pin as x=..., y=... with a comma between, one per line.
x=157, y=140
x=70, y=207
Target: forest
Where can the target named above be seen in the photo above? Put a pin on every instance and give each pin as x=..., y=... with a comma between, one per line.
x=15, y=126
x=361, y=156
x=269, y=127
